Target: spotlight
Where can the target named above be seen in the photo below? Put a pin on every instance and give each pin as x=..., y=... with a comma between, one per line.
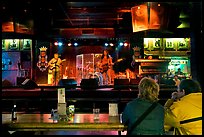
x=125, y=44
x=75, y=44
x=60, y=43
x=69, y=44
x=106, y=44
x=56, y=43
x=111, y=44
x=121, y=44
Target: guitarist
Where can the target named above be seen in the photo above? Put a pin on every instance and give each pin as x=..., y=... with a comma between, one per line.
x=55, y=66
x=105, y=67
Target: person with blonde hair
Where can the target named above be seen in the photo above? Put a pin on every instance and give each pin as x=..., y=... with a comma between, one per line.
x=153, y=122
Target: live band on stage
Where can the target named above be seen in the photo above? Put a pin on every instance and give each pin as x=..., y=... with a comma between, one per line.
x=102, y=68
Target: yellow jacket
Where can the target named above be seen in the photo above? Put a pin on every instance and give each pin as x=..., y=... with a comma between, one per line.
x=187, y=107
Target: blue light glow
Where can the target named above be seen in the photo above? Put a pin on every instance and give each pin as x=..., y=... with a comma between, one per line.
x=106, y=44
x=75, y=44
x=121, y=44
x=60, y=43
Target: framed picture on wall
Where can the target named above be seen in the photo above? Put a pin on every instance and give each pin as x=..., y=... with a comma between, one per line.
x=27, y=44
x=13, y=44
x=169, y=45
x=156, y=44
x=183, y=44
x=3, y=45
x=146, y=43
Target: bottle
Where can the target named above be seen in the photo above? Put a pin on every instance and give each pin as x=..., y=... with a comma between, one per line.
x=14, y=113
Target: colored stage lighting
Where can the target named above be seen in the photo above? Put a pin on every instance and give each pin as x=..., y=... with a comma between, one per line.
x=106, y=44
x=125, y=44
x=56, y=43
x=75, y=44
x=121, y=44
x=111, y=44
x=69, y=44
x=60, y=43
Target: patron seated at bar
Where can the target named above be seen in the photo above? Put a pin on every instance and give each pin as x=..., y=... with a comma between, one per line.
x=184, y=109
x=153, y=123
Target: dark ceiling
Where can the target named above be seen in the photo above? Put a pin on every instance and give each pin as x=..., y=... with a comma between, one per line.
x=60, y=18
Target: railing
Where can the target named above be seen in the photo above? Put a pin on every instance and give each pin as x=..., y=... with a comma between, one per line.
x=83, y=99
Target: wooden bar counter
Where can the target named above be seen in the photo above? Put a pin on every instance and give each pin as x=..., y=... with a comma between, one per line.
x=43, y=122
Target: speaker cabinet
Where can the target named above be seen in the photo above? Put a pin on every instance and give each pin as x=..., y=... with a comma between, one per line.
x=20, y=80
x=121, y=83
x=67, y=83
x=89, y=83
x=28, y=84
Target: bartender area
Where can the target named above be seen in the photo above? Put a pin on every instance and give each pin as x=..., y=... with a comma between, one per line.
x=71, y=68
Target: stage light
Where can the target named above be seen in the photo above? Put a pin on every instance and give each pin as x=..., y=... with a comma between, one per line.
x=106, y=44
x=59, y=43
x=125, y=44
x=75, y=44
x=69, y=44
x=121, y=44
x=111, y=44
x=55, y=43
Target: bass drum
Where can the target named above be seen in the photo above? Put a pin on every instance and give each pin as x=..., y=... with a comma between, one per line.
x=98, y=76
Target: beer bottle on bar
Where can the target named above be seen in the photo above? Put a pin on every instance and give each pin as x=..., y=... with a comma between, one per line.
x=14, y=113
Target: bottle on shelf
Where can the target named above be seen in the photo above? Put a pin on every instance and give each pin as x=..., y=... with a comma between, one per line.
x=14, y=113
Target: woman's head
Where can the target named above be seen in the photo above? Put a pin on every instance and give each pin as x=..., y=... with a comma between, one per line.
x=105, y=53
x=148, y=89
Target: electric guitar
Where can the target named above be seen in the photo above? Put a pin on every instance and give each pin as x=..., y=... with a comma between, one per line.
x=104, y=68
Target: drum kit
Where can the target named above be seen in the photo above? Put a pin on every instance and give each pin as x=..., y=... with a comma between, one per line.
x=90, y=73
x=93, y=71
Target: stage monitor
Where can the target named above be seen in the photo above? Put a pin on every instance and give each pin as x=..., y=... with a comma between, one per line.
x=67, y=83
x=121, y=83
x=28, y=84
x=89, y=83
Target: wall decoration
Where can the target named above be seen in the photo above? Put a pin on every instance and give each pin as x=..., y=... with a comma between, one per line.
x=183, y=43
x=3, y=45
x=14, y=44
x=42, y=62
x=157, y=43
x=27, y=44
x=170, y=44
